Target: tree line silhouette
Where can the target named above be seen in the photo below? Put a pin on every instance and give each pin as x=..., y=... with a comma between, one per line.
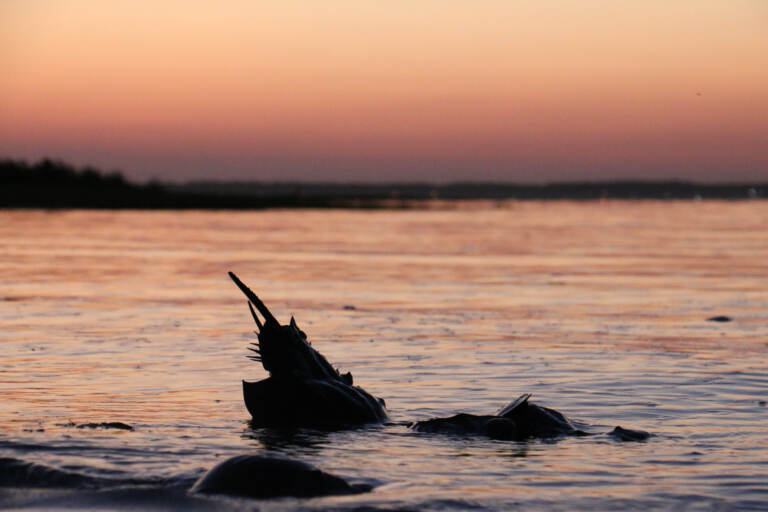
x=55, y=184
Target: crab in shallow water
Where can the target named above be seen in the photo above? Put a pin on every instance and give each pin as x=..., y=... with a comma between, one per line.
x=518, y=421
x=302, y=389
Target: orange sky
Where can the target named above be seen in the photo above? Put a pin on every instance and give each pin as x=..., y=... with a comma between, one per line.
x=369, y=90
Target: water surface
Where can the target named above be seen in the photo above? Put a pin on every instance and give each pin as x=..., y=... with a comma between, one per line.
x=599, y=309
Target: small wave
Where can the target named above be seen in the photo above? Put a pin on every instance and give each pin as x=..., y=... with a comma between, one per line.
x=19, y=473
x=72, y=447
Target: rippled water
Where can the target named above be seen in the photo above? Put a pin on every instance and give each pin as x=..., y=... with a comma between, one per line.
x=598, y=309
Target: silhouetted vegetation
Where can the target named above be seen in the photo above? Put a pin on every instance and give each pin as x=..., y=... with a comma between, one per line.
x=55, y=184
x=480, y=190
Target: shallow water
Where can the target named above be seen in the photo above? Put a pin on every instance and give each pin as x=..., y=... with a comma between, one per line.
x=599, y=309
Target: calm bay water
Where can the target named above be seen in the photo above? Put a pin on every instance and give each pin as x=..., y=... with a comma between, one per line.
x=598, y=309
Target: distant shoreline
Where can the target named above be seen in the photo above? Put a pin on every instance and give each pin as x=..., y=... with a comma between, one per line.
x=50, y=184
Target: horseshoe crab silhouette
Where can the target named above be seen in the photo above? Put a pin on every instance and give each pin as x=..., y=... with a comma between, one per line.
x=302, y=389
x=518, y=421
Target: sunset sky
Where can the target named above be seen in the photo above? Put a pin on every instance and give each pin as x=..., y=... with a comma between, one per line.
x=362, y=90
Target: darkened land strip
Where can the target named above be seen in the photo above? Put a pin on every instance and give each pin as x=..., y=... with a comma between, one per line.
x=55, y=184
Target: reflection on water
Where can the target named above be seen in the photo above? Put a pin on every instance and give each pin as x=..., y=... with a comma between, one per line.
x=598, y=309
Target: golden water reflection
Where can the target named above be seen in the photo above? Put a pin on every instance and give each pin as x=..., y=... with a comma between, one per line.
x=599, y=309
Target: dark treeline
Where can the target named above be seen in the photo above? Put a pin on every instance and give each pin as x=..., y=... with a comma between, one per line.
x=55, y=184
x=477, y=190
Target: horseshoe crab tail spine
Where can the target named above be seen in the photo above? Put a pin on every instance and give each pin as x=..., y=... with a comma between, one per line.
x=268, y=317
x=255, y=318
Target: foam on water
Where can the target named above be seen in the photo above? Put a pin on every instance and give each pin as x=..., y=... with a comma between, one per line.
x=598, y=309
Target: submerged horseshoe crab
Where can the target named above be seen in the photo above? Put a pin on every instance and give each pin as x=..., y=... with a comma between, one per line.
x=302, y=389
x=517, y=421
x=262, y=476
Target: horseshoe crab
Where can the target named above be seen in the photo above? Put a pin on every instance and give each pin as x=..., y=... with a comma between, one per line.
x=518, y=421
x=302, y=389
x=262, y=476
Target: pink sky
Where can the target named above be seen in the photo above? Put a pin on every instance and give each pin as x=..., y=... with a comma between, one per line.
x=366, y=90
